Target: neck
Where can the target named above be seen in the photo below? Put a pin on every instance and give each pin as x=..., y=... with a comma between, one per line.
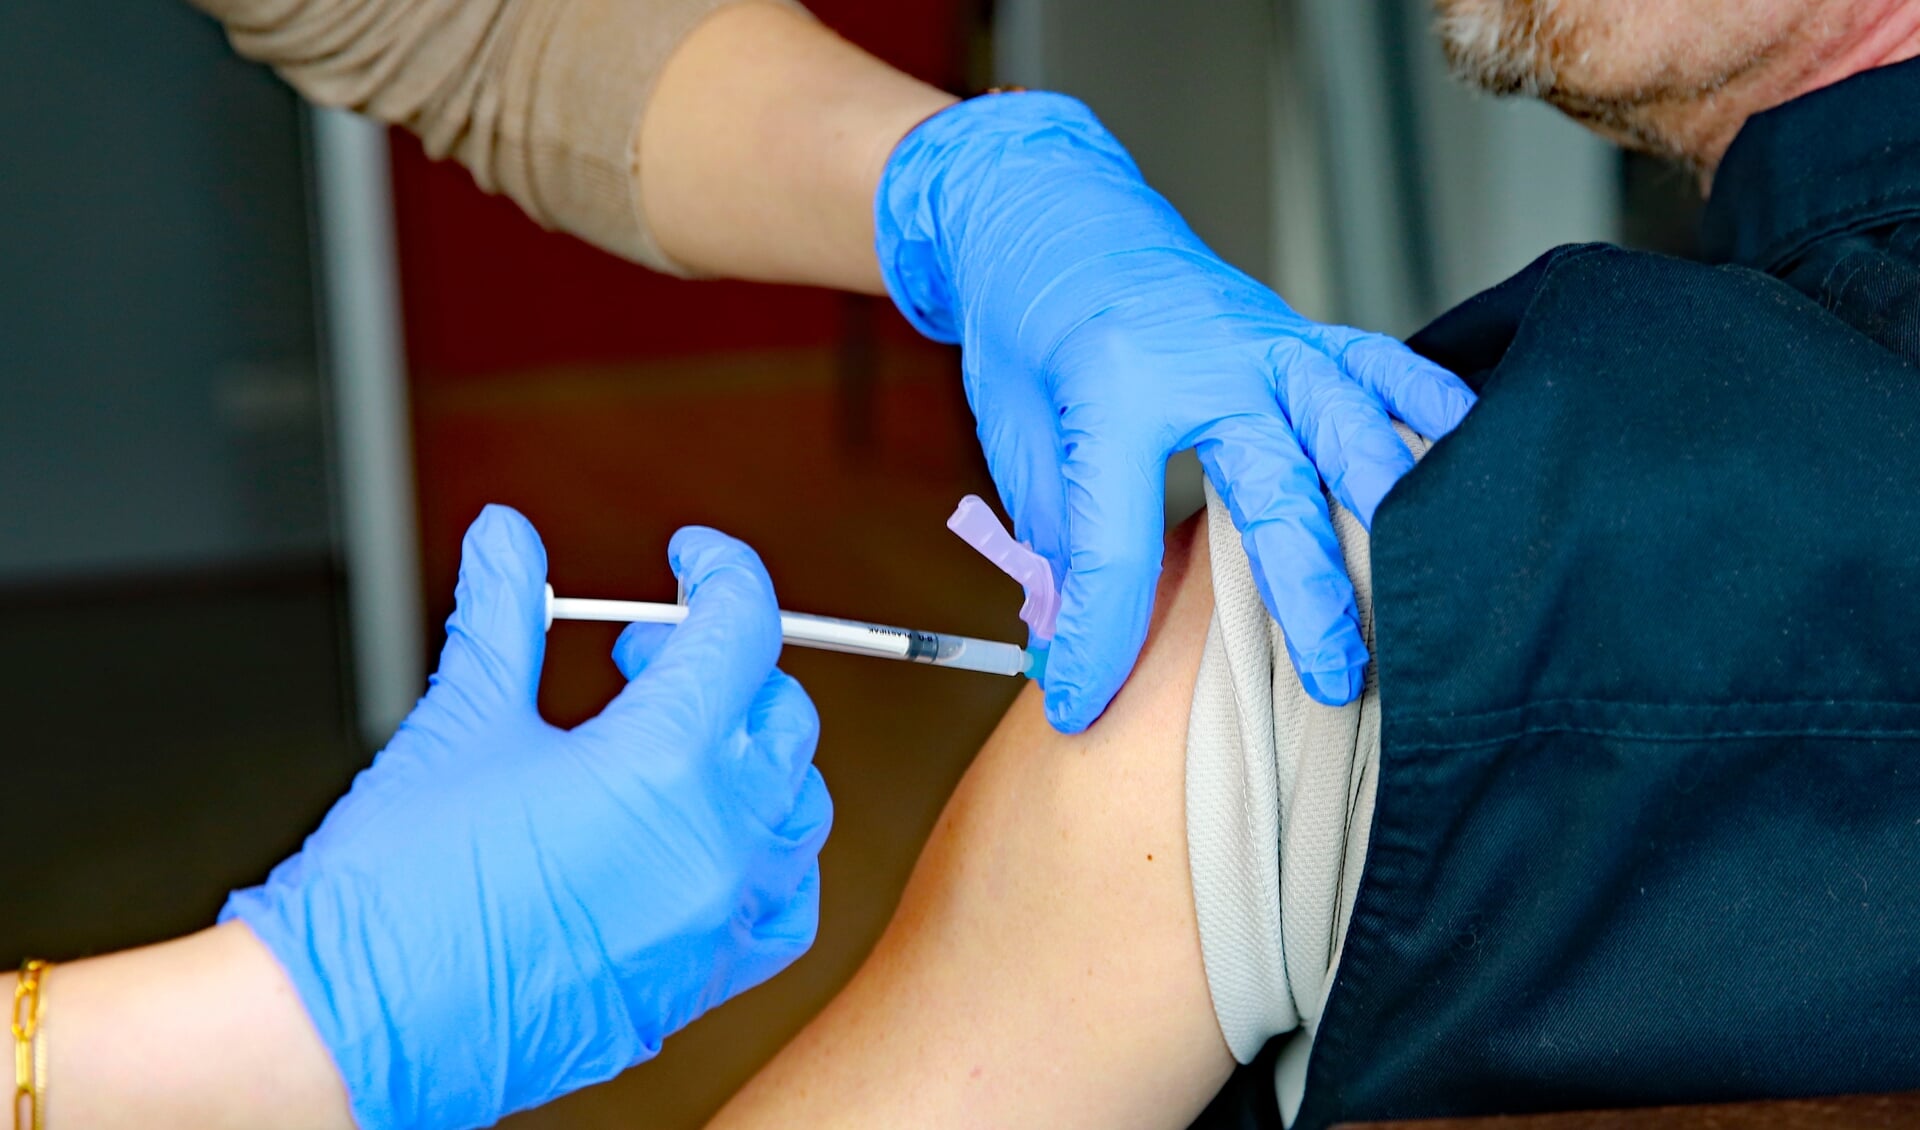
x=1851, y=37
x=1884, y=32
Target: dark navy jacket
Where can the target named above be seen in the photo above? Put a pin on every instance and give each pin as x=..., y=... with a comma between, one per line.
x=1648, y=633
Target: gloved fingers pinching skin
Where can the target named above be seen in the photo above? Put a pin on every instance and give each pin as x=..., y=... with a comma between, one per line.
x=1271, y=490
x=1019, y=433
x=1018, y=226
x=1342, y=426
x=1116, y=510
x=1426, y=397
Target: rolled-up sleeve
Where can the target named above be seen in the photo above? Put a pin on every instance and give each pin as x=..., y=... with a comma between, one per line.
x=540, y=99
x=1280, y=796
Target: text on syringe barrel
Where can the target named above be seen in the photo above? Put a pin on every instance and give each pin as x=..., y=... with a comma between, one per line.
x=852, y=636
x=858, y=638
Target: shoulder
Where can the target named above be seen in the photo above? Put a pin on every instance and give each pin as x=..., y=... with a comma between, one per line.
x=1578, y=296
x=1660, y=446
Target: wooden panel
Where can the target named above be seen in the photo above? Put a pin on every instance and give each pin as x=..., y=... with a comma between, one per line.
x=1860, y=1112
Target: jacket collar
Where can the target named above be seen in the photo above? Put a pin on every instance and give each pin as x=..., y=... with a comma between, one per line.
x=1842, y=158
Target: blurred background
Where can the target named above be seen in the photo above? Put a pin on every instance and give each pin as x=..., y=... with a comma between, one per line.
x=260, y=365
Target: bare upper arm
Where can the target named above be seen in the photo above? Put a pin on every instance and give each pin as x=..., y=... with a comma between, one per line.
x=1044, y=967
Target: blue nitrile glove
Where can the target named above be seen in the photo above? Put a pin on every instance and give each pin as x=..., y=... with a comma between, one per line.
x=1101, y=336
x=501, y=911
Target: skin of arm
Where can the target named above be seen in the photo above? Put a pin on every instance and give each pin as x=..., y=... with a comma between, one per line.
x=203, y=1032
x=1043, y=968
x=763, y=144
x=1044, y=965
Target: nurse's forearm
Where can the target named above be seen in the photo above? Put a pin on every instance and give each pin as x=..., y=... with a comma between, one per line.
x=763, y=144
x=204, y=1032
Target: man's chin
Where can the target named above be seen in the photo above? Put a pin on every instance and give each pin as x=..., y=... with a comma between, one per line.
x=1499, y=46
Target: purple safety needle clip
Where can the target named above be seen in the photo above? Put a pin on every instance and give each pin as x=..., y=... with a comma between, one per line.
x=976, y=524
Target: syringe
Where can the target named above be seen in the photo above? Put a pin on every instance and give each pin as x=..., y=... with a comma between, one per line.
x=855, y=637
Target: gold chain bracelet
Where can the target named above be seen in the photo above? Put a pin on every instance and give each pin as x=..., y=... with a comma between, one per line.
x=29, y=1049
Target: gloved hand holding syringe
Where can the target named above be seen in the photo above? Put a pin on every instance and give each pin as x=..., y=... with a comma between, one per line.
x=973, y=521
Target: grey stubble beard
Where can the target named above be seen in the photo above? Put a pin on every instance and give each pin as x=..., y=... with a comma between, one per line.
x=1517, y=48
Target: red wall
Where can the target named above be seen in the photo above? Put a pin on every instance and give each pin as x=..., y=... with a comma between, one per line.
x=612, y=404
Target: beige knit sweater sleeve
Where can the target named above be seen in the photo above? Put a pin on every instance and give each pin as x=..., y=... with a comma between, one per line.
x=539, y=99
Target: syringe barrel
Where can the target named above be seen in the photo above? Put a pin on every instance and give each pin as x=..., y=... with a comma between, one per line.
x=852, y=636
x=924, y=647
x=968, y=654
x=828, y=633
